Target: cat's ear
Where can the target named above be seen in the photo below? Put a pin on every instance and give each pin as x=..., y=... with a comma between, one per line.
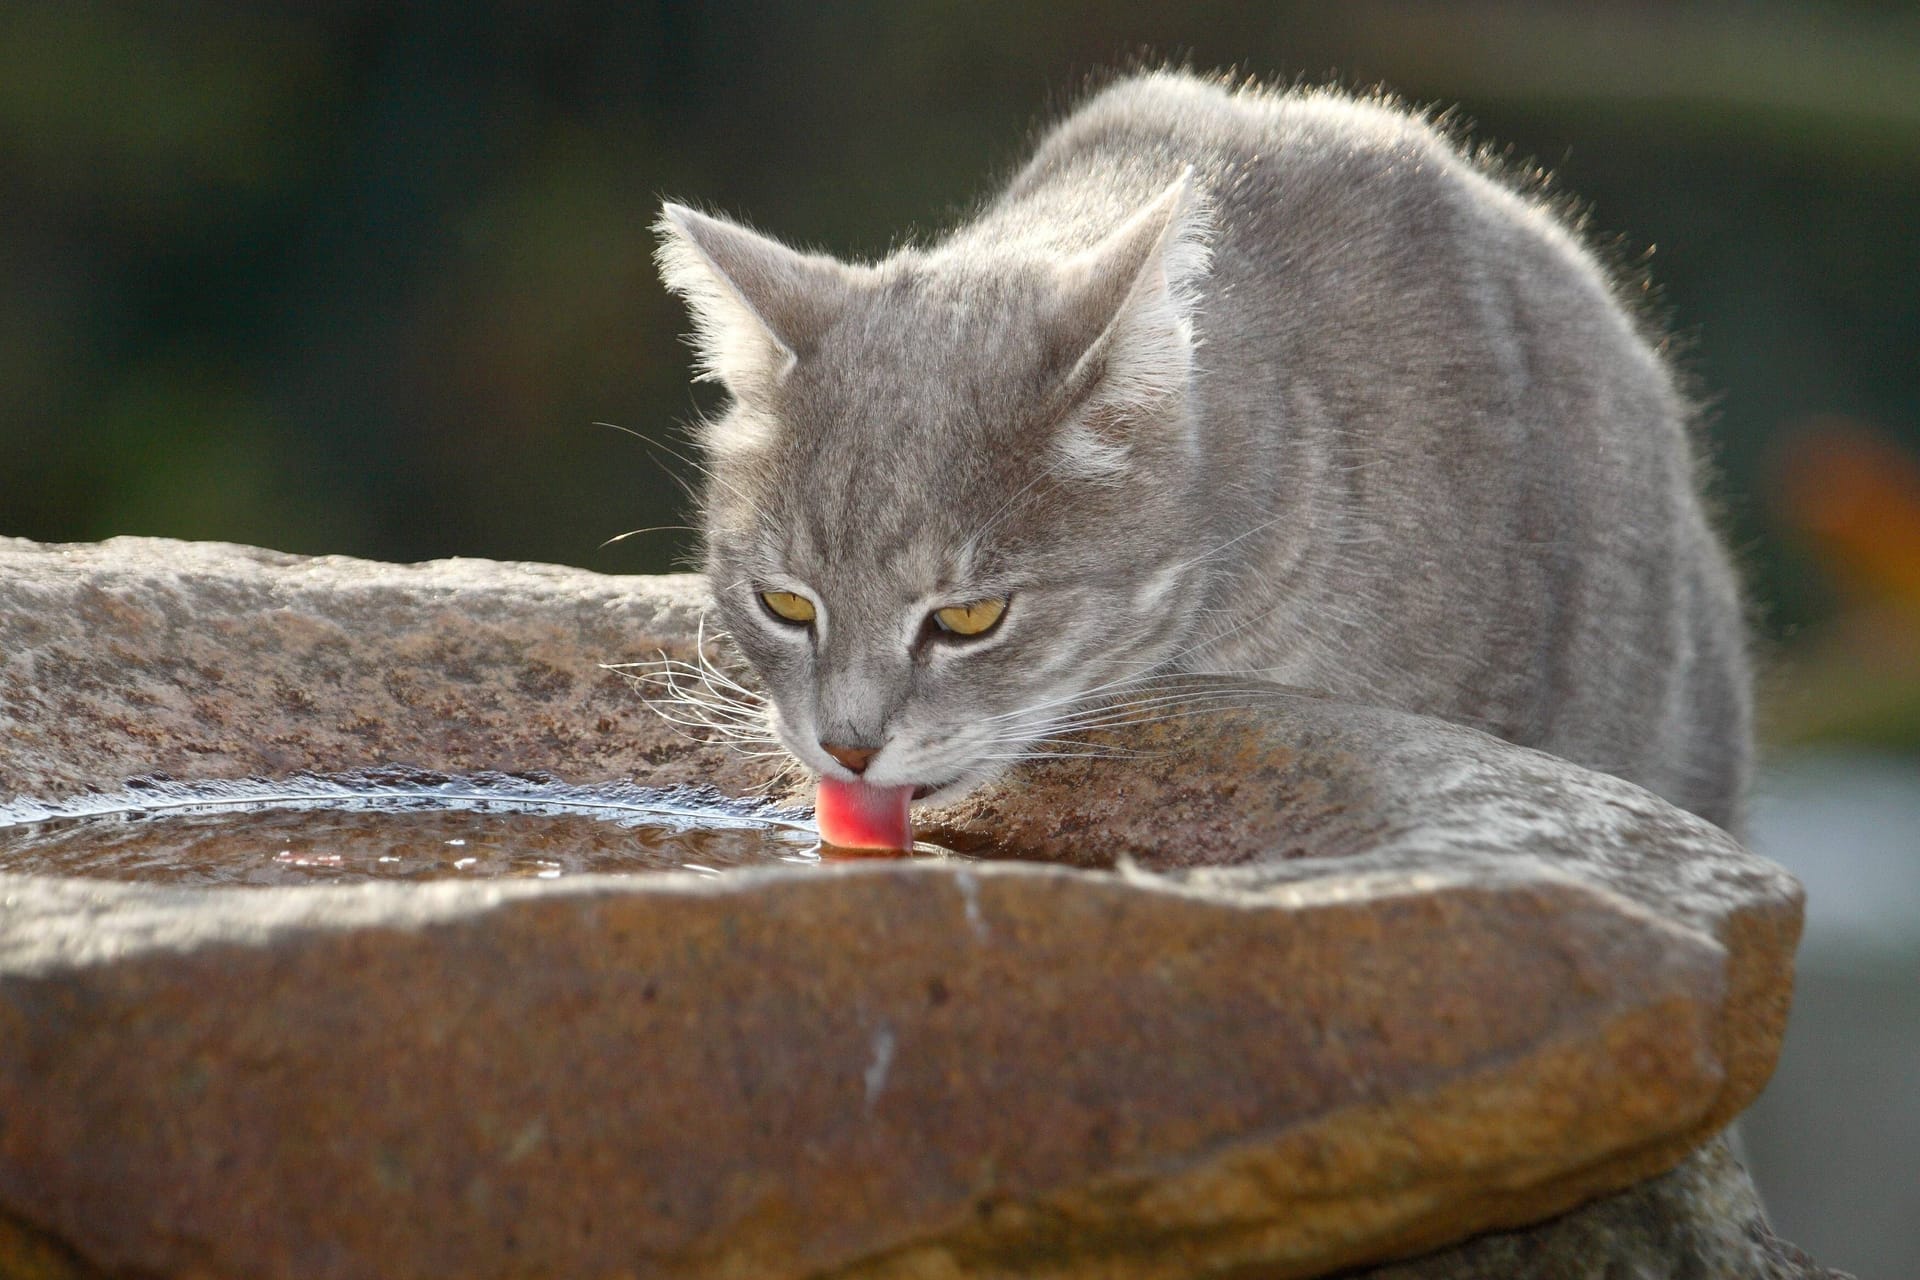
x=1124, y=320
x=757, y=305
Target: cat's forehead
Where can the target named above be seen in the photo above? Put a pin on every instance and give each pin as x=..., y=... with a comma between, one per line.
x=899, y=436
x=933, y=340
x=849, y=516
x=886, y=521
x=868, y=555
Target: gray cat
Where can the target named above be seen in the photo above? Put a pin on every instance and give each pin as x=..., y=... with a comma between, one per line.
x=1226, y=380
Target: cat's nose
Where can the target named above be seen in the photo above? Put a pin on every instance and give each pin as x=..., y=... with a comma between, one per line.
x=855, y=758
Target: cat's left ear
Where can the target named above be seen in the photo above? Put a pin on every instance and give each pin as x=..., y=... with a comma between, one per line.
x=757, y=305
x=1124, y=318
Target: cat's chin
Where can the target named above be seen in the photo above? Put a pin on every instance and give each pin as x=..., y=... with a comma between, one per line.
x=935, y=794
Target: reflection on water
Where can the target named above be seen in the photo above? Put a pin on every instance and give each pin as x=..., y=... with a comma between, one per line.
x=1833, y=1141
x=310, y=845
x=393, y=824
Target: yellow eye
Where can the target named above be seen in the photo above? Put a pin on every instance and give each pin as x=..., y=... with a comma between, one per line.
x=974, y=619
x=788, y=606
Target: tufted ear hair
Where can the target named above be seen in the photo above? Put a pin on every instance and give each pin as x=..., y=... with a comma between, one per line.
x=1123, y=318
x=757, y=305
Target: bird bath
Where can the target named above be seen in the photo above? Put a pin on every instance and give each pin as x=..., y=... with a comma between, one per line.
x=1315, y=987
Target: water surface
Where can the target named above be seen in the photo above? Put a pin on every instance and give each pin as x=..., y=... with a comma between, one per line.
x=393, y=824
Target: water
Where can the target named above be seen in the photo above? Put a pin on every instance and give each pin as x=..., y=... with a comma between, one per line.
x=393, y=824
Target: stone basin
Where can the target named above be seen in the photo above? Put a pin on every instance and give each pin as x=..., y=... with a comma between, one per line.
x=1301, y=986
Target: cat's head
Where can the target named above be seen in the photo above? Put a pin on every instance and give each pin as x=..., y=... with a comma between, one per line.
x=953, y=493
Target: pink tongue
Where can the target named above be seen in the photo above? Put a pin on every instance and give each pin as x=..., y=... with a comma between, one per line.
x=854, y=815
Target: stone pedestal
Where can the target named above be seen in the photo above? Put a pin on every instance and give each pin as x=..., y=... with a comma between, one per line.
x=1315, y=987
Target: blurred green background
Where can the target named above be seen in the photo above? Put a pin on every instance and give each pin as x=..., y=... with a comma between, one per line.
x=360, y=277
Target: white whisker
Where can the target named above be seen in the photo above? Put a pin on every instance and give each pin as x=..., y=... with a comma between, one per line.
x=701, y=702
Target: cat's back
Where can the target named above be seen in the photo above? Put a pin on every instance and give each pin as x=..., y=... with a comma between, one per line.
x=1192, y=115
x=1335, y=223
x=1477, y=465
x=1315, y=156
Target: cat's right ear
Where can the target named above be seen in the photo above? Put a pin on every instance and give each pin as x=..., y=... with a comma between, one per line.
x=756, y=304
x=1124, y=317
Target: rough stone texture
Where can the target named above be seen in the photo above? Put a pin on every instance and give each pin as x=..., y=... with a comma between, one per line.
x=204, y=660
x=1363, y=984
x=1271, y=783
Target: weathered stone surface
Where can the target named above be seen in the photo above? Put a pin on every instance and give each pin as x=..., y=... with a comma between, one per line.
x=1369, y=983
x=1272, y=783
x=204, y=660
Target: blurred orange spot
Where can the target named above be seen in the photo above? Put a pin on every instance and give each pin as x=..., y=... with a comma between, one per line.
x=1856, y=494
